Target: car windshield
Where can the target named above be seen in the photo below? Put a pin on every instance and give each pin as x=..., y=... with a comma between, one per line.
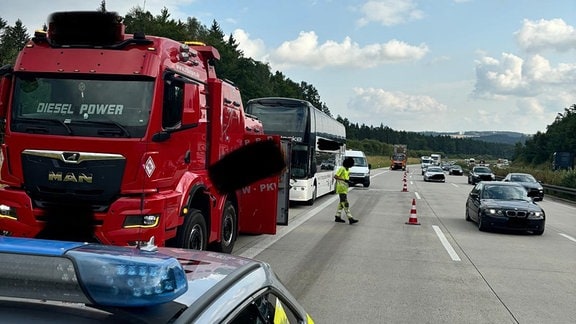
x=457, y=167
x=482, y=170
x=434, y=169
x=359, y=161
x=522, y=178
x=504, y=193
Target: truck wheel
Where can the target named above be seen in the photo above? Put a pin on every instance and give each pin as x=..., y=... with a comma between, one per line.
x=193, y=234
x=229, y=231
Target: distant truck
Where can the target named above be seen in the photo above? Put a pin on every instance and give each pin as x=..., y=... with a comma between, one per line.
x=436, y=158
x=562, y=161
x=399, y=157
x=425, y=161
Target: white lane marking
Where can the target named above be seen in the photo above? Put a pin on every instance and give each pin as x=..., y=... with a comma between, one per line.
x=281, y=231
x=568, y=237
x=455, y=185
x=417, y=195
x=446, y=244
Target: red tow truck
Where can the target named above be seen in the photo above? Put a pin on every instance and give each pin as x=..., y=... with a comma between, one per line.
x=399, y=157
x=126, y=127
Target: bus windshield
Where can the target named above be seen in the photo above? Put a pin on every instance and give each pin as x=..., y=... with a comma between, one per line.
x=81, y=107
x=280, y=118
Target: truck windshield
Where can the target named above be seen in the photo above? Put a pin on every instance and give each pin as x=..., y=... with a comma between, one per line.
x=399, y=157
x=81, y=107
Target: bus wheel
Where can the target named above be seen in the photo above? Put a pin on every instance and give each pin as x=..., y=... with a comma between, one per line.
x=229, y=231
x=311, y=201
x=193, y=234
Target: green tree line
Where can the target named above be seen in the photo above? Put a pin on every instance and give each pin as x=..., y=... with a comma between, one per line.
x=560, y=136
x=256, y=79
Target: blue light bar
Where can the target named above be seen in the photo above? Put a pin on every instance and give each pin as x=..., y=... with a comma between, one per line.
x=79, y=272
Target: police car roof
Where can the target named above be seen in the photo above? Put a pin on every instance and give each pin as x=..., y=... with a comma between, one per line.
x=69, y=283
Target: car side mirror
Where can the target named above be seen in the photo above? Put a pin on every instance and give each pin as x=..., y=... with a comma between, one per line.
x=474, y=195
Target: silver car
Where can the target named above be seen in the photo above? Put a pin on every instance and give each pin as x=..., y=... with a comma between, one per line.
x=434, y=173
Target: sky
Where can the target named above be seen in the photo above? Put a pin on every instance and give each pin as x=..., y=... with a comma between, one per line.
x=411, y=65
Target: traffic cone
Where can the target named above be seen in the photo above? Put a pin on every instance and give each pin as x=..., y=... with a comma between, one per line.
x=404, y=186
x=413, y=220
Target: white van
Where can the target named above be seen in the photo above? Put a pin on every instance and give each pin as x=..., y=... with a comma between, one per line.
x=360, y=172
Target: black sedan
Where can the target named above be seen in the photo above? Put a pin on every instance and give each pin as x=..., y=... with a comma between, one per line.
x=480, y=173
x=455, y=170
x=504, y=205
x=534, y=187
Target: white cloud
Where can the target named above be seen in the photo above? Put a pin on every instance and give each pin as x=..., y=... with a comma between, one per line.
x=499, y=77
x=254, y=48
x=513, y=76
x=389, y=12
x=531, y=91
x=395, y=109
x=544, y=34
x=307, y=51
x=382, y=101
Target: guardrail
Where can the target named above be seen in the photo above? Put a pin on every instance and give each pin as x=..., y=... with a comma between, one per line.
x=560, y=192
x=556, y=191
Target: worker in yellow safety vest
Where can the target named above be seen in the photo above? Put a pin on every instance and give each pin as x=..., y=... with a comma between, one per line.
x=342, y=177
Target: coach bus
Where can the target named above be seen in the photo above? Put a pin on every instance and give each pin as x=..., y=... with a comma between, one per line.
x=318, y=143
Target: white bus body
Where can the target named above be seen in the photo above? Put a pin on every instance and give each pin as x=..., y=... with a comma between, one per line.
x=318, y=143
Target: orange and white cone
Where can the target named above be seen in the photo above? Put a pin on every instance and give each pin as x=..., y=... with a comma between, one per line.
x=413, y=220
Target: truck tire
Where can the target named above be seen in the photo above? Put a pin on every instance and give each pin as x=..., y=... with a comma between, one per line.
x=229, y=231
x=193, y=233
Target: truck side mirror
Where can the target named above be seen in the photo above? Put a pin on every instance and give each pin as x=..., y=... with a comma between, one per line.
x=191, y=114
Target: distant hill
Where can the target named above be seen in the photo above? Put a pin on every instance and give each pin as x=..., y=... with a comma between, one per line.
x=486, y=136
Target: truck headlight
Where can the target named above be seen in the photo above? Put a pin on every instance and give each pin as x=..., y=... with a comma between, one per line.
x=144, y=221
x=8, y=212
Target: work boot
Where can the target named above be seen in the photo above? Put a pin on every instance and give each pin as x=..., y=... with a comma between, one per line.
x=352, y=220
x=339, y=219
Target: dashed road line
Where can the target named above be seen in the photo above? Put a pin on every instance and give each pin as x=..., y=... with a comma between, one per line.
x=568, y=237
x=446, y=244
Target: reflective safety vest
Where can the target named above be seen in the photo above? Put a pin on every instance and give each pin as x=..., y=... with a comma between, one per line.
x=341, y=185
